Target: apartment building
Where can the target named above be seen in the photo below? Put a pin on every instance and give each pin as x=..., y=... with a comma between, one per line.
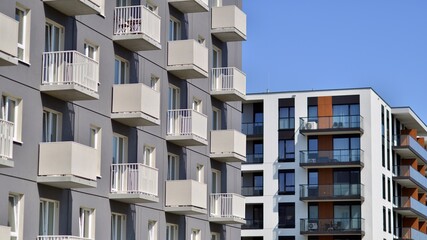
x=333, y=165
x=121, y=119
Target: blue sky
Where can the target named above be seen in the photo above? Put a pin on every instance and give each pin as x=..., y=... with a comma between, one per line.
x=328, y=44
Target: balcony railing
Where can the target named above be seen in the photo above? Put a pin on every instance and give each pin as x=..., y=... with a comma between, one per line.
x=407, y=141
x=332, y=192
x=60, y=237
x=345, y=124
x=8, y=49
x=252, y=191
x=333, y=226
x=227, y=206
x=332, y=157
x=6, y=139
x=254, y=158
x=134, y=178
x=407, y=233
x=286, y=123
x=185, y=123
x=228, y=84
x=253, y=224
x=415, y=207
x=405, y=172
x=132, y=21
x=253, y=129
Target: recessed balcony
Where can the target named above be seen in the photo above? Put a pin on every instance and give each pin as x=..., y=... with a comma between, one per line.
x=186, y=197
x=229, y=23
x=227, y=208
x=134, y=183
x=228, y=84
x=190, y=6
x=228, y=146
x=136, y=105
x=136, y=28
x=335, y=226
x=186, y=127
x=331, y=125
x=409, y=177
x=408, y=148
x=187, y=59
x=4, y=232
x=410, y=207
x=253, y=130
x=67, y=165
x=407, y=233
x=61, y=237
x=70, y=76
x=8, y=45
x=334, y=158
x=76, y=7
x=6, y=143
x=335, y=192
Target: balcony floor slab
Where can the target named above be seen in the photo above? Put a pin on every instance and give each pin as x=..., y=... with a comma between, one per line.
x=227, y=220
x=133, y=198
x=66, y=182
x=69, y=92
x=137, y=42
x=228, y=157
x=186, y=210
x=135, y=119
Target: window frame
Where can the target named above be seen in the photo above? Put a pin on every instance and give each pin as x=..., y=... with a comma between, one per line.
x=151, y=161
x=170, y=227
x=152, y=230
x=18, y=214
x=195, y=234
x=285, y=185
x=50, y=113
x=123, y=63
x=216, y=118
x=25, y=45
x=43, y=208
x=283, y=221
x=173, y=175
x=285, y=157
x=90, y=225
x=124, y=157
x=17, y=114
x=115, y=226
x=175, y=24
x=87, y=45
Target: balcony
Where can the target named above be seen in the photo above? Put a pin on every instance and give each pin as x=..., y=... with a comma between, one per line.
x=60, y=237
x=186, y=197
x=136, y=105
x=410, y=207
x=407, y=233
x=228, y=84
x=331, y=125
x=409, y=177
x=67, y=165
x=336, y=192
x=187, y=127
x=76, y=7
x=227, y=208
x=136, y=28
x=251, y=191
x=287, y=123
x=134, y=183
x=228, y=146
x=408, y=148
x=190, y=6
x=187, y=59
x=4, y=232
x=6, y=143
x=333, y=158
x=253, y=130
x=253, y=224
x=229, y=23
x=336, y=226
x=70, y=76
x=254, y=158
x=8, y=49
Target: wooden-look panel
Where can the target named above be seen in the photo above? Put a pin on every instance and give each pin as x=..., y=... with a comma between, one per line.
x=326, y=210
x=324, y=109
x=411, y=132
x=423, y=226
x=410, y=162
x=422, y=169
x=326, y=176
x=410, y=192
x=422, y=198
x=410, y=222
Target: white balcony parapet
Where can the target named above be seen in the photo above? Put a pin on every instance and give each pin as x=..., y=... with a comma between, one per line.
x=137, y=28
x=228, y=208
x=228, y=84
x=6, y=143
x=190, y=6
x=61, y=237
x=187, y=127
x=228, y=146
x=229, y=23
x=4, y=232
x=76, y=7
x=8, y=45
x=187, y=59
x=70, y=75
x=186, y=197
x=134, y=183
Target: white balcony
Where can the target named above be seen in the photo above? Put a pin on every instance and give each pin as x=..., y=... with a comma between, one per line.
x=229, y=23
x=186, y=197
x=6, y=143
x=4, y=232
x=136, y=105
x=187, y=127
x=227, y=208
x=187, y=59
x=70, y=76
x=76, y=7
x=60, y=237
x=190, y=6
x=8, y=45
x=228, y=84
x=228, y=146
x=134, y=183
x=136, y=28
x=67, y=165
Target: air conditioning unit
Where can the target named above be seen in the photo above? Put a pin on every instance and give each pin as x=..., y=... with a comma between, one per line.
x=312, y=226
x=311, y=125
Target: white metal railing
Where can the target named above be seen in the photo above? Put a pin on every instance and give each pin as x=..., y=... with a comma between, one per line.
x=60, y=237
x=134, y=178
x=186, y=122
x=6, y=139
x=136, y=20
x=228, y=79
x=70, y=67
x=227, y=205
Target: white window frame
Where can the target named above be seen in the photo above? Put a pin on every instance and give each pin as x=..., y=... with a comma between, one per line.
x=200, y=173
x=123, y=63
x=90, y=225
x=44, y=216
x=218, y=52
x=216, y=118
x=18, y=214
x=114, y=226
x=215, y=236
x=175, y=24
x=152, y=230
x=149, y=158
x=50, y=114
x=173, y=173
x=154, y=82
x=197, y=105
x=216, y=3
x=17, y=114
x=96, y=143
x=61, y=28
x=195, y=234
x=95, y=50
x=171, y=228
x=25, y=45
x=124, y=157
x=175, y=102
x=217, y=181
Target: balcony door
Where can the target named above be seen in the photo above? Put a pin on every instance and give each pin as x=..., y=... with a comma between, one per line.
x=216, y=188
x=346, y=149
x=55, y=67
x=120, y=171
x=51, y=126
x=174, y=117
x=48, y=217
x=347, y=217
x=217, y=73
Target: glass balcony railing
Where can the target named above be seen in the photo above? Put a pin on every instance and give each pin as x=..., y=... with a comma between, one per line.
x=336, y=226
x=335, y=191
x=253, y=224
x=331, y=123
x=416, y=207
x=254, y=158
x=251, y=191
x=252, y=129
x=332, y=157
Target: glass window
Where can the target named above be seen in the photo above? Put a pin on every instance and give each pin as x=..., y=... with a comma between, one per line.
x=118, y=226
x=49, y=213
x=119, y=149
x=200, y=173
x=10, y=110
x=14, y=221
x=286, y=182
x=87, y=223
x=51, y=126
x=174, y=29
x=91, y=51
x=346, y=149
x=171, y=231
x=149, y=156
x=195, y=234
x=154, y=82
x=286, y=118
x=286, y=215
x=173, y=167
x=152, y=230
x=286, y=150
x=21, y=16
x=216, y=119
x=258, y=184
x=312, y=113
x=121, y=71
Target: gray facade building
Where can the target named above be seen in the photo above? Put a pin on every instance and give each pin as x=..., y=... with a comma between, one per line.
x=121, y=119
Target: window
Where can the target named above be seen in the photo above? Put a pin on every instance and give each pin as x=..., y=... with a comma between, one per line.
x=173, y=167
x=286, y=215
x=312, y=114
x=51, y=125
x=174, y=99
x=119, y=149
x=215, y=236
x=201, y=40
x=11, y=111
x=384, y=187
x=286, y=150
x=200, y=173
x=286, y=118
x=15, y=216
x=22, y=15
x=95, y=133
x=384, y=220
x=216, y=57
x=286, y=238
x=152, y=230
x=174, y=29
x=171, y=231
x=216, y=181
x=286, y=182
x=195, y=234
x=346, y=116
x=154, y=82
x=149, y=156
x=49, y=217
x=91, y=51
x=258, y=155
x=347, y=149
x=54, y=36
x=121, y=71
x=216, y=119
x=118, y=226
x=197, y=105
x=122, y=3
x=87, y=223
x=347, y=216
x=389, y=189
x=389, y=221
